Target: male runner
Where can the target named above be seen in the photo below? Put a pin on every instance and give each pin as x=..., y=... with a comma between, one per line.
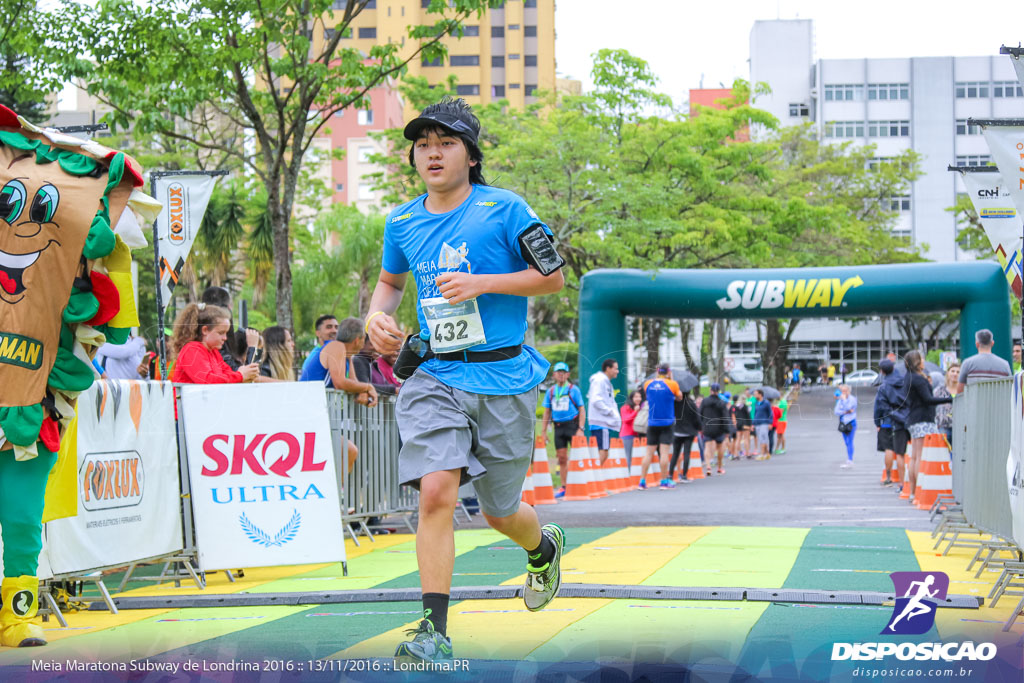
x=563, y=403
x=467, y=414
x=661, y=393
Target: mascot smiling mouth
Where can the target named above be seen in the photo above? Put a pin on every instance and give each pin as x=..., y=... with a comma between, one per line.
x=12, y=268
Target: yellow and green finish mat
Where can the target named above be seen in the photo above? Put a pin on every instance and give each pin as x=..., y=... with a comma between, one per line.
x=573, y=636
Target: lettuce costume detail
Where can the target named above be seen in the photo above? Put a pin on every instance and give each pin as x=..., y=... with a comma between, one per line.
x=65, y=288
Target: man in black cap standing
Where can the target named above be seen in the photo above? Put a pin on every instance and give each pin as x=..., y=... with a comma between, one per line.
x=466, y=412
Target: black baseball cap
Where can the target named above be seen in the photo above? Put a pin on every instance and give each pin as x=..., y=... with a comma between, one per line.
x=452, y=115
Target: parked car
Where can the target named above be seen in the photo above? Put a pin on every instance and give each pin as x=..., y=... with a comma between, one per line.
x=861, y=378
x=744, y=369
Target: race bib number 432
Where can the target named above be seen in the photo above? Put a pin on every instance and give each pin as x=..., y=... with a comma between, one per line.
x=453, y=327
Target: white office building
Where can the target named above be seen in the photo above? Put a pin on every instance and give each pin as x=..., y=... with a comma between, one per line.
x=919, y=103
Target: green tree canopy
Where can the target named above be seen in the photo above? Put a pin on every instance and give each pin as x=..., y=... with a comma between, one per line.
x=25, y=80
x=201, y=70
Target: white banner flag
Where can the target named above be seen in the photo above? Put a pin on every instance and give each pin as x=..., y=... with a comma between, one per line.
x=263, y=477
x=129, y=491
x=184, y=199
x=1000, y=220
x=1018, y=66
x=1007, y=146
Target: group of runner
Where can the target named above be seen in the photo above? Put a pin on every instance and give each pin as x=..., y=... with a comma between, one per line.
x=748, y=425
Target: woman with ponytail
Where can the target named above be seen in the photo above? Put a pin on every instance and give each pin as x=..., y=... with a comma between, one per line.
x=199, y=333
x=921, y=404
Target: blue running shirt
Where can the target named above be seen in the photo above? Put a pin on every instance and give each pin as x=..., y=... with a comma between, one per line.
x=479, y=236
x=661, y=395
x=312, y=369
x=563, y=401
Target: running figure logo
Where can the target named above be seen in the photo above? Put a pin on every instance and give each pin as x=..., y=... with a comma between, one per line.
x=914, y=613
x=452, y=259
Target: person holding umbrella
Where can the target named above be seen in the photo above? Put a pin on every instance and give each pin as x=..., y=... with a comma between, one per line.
x=687, y=426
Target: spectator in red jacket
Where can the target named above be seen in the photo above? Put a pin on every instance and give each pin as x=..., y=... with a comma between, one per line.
x=199, y=333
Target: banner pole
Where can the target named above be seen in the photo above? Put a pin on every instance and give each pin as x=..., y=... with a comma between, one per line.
x=160, y=304
x=161, y=338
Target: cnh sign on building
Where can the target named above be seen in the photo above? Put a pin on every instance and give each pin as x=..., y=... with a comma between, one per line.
x=978, y=290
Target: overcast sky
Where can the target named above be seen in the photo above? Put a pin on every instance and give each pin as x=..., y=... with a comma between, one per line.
x=685, y=39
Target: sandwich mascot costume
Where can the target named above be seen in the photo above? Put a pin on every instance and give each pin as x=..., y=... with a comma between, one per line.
x=65, y=289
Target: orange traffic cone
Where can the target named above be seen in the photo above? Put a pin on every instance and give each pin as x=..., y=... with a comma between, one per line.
x=543, y=487
x=528, y=496
x=576, y=487
x=934, y=475
x=695, y=470
x=608, y=474
x=614, y=482
x=597, y=478
x=621, y=466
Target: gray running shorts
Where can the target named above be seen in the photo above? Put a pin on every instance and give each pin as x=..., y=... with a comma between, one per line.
x=762, y=432
x=490, y=438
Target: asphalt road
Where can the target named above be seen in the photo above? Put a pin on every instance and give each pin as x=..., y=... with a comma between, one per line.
x=803, y=488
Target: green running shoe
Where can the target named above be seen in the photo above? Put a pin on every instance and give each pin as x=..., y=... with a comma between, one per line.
x=542, y=583
x=427, y=645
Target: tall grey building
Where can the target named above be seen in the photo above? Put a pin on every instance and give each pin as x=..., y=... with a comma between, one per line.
x=919, y=103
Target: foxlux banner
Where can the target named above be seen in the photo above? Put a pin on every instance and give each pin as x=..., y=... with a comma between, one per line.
x=129, y=489
x=184, y=199
x=262, y=473
x=990, y=195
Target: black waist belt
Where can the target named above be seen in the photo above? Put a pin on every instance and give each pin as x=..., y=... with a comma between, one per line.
x=503, y=353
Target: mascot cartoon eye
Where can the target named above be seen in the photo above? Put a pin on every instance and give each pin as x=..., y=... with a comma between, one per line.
x=12, y=200
x=44, y=204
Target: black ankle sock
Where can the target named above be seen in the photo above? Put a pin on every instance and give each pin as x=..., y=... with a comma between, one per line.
x=543, y=553
x=435, y=610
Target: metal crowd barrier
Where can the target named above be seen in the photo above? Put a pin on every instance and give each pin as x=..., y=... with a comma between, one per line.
x=370, y=490
x=981, y=441
x=980, y=504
